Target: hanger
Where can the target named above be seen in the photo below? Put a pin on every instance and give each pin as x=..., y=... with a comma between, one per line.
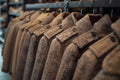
x=112, y=11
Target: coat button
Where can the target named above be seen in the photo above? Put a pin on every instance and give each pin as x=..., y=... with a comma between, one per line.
x=48, y=26
x=60, y=26
x=113, y=39
x=94, y=34
x=74, y=30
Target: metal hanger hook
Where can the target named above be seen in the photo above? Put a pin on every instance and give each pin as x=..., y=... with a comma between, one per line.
x=112, y=11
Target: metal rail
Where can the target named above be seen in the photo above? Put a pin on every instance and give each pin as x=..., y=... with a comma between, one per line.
x=75, y=4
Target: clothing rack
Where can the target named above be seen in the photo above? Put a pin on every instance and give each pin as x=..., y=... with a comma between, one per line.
x=2, y=9
x=74, y=4
x=13, y=4
x=2, y=19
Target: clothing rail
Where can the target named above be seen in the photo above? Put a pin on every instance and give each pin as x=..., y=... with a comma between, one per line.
x=74, y=4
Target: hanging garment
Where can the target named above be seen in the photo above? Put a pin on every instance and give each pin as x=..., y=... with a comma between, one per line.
x=61, y=41
x=90, y=62
x=43, y=47
x=114, y=67
x=16, y=46
x=30, y=17
x=21, y=35
x=62, y=46
x=79, y=45
x=111, y=66
x=87, y=63
x=24, y=48
x=19, y=40
x=37, y=34
x=7, y=49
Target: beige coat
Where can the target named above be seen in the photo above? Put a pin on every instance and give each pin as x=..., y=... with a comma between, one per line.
x=44, y=44
x=110, y=68
x=9, y=40
x=24, y=48
x=37, y=34
x=59, y=44
x=79, y=45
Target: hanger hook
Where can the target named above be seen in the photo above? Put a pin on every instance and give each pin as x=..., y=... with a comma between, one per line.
x=81, y=11
x=110, y=1
x=93, y=11
x=81, y=3
x=112, y=13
